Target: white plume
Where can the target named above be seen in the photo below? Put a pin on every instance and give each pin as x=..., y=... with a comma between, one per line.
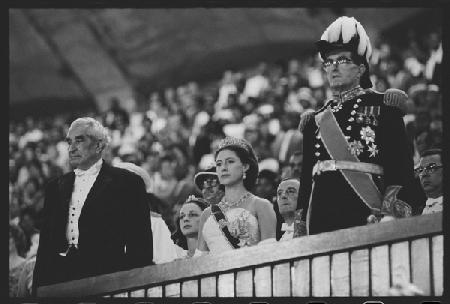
x=369, y=50
x=362, y=40
x=334, y=30
x=348, y=28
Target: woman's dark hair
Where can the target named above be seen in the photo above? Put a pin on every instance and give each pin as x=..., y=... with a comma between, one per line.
x=19, y=238
x=178, y=237
x=246, y=157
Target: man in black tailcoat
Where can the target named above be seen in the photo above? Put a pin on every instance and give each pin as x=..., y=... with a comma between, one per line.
x=357, y=165
x=96, y=218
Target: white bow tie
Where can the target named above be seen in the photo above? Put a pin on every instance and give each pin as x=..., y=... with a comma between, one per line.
x=79, y=172
x=287, y=228
x=431, y=202
x=91, y=171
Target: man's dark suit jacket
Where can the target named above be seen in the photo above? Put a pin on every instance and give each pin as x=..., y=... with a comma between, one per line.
x=114, y=228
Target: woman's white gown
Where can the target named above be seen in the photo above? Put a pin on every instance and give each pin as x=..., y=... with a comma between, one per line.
x=242, y=224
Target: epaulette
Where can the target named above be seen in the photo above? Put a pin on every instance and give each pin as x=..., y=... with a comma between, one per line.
x=155, y=214
x=396, y=98
x=305, y=117
x=325, y=106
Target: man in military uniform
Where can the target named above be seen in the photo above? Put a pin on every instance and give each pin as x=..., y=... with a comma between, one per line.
x=357, y=163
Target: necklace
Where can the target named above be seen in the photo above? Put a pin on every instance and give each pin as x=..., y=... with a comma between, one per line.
x=228, y=205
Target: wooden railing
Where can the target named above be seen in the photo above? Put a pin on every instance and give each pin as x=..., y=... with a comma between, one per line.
x=360, y=261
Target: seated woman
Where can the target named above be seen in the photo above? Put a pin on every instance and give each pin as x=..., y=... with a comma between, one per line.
x=241, y=218
x=186, y=235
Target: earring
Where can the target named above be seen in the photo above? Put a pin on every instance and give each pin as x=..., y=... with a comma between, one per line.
x=244, y=175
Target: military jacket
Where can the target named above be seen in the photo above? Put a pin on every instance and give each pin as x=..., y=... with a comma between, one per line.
x=374, y=131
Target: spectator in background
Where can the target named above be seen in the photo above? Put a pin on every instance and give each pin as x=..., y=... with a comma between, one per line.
x=188, y=222
x=430, y=172
x=27, y=222
x=258, y=84
x=16, y=257
x=295, y=164
x=287, y=195
x=25, y=281
x=289, y=139
x=171, y=190
x=252, y=133
x=112, y=222
x=32, y=195
x=266, y=185
x=116, y=115
x=227, y=87
x=208, y=183
x=423, y=141
x=433, y=66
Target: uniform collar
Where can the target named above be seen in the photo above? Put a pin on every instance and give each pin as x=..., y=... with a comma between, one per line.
x=349, y=94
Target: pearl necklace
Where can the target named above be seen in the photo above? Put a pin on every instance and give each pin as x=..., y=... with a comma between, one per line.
x=227, y=205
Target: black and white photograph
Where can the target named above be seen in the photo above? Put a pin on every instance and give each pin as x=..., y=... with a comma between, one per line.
x=226, y=154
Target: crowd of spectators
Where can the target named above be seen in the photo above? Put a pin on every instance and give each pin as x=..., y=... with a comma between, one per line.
x=176, y=135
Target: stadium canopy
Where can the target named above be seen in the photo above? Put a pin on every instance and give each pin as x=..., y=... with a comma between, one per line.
x=61, y=55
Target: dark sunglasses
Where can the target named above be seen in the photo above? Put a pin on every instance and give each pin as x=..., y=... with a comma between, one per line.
x=341, y=60
x=427, y=170
x=210, y=183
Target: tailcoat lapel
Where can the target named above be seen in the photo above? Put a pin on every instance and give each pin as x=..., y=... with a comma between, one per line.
x=100, y=185
x=65, y=185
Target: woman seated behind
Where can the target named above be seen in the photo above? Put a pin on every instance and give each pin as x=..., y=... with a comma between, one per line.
x=241, y=218
x=186, y=235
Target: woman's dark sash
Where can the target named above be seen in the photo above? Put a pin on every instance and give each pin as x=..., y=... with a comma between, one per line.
x=222, y=222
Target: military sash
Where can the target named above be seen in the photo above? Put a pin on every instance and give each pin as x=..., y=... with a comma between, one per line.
x=222, y=222
x=339, y=149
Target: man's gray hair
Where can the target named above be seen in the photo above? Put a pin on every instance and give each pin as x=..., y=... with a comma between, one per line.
x=93, y=129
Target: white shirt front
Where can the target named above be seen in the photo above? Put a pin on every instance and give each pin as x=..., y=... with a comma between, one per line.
x=288, y=232
x=433, y=205
x=84, y=180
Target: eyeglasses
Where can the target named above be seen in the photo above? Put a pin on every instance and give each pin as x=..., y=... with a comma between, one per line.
x=210, y=183
x=288, y=191
x=341, y=60
x=427, y=170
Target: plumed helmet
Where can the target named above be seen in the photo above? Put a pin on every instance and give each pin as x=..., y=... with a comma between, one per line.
x=348, y=34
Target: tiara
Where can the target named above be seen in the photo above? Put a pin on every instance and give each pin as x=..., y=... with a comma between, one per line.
x=233, y=141
x=193, y=198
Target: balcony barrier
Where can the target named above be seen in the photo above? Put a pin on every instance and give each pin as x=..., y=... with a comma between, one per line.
x=360, y=261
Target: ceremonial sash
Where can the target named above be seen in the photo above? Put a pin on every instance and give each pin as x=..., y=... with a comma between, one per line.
x=339, y=149
x=221, y=221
